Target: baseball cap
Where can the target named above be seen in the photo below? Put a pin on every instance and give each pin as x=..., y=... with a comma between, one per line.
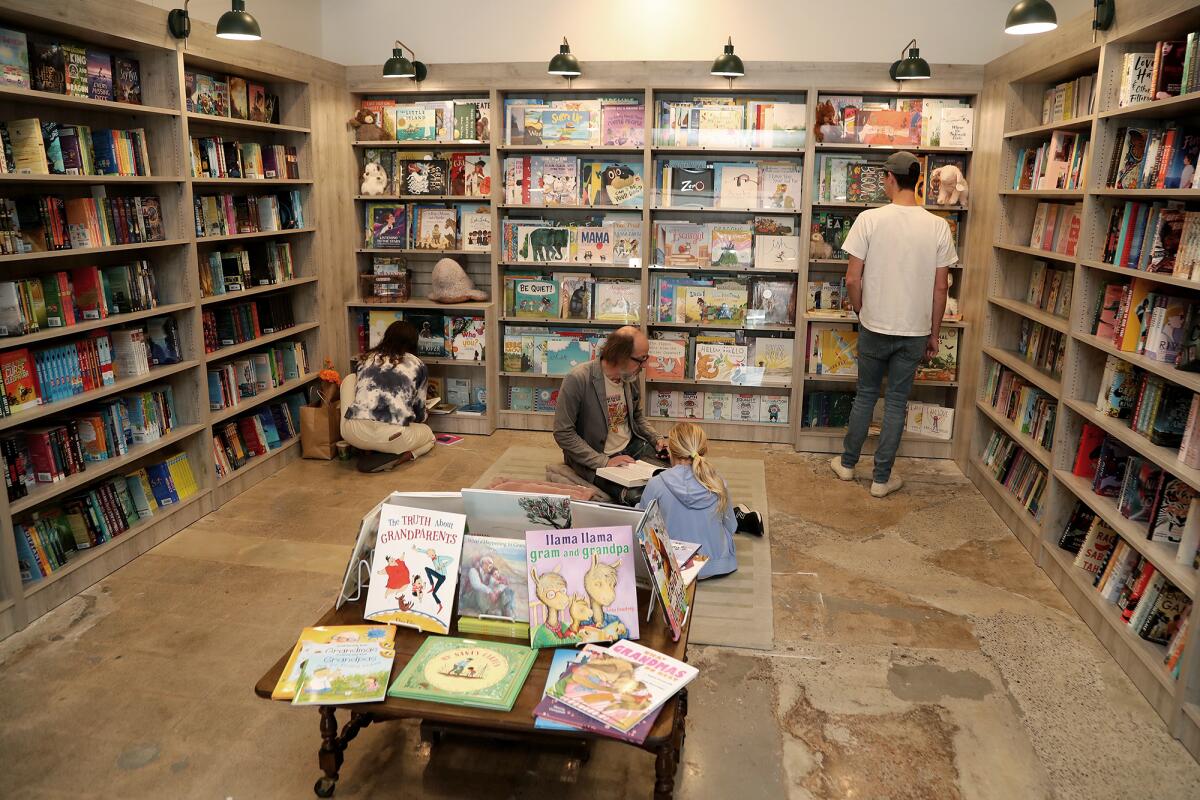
x=900, y=163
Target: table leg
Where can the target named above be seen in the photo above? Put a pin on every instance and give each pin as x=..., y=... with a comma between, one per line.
x=666, y=762
x=333, y=746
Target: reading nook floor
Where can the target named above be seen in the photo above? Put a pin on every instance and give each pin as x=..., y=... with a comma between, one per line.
x=919, y=653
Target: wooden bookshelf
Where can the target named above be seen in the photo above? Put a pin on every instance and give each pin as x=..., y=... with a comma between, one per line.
x=1014, y=85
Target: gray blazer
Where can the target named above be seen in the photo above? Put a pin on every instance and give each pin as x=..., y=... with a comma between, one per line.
x=581, y=419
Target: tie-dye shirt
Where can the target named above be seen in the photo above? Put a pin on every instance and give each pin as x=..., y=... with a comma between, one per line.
x=390, y=392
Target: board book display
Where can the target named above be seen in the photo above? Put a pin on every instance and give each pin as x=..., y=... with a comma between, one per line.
x=465, y=672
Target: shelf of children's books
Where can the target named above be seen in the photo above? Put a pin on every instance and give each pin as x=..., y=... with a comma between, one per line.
x=253, y=290
x=424, y=198
x=460, y=423
x=1188, y=380
x=726, y=150
x=241, y=347
x=523, y=207
x=567, y=265
x=247, y=403
x=842, y=263
x=840, y=433
x=566, y=148
x=232, y=122
x=765, y=426
x=14, y=94
x=725, y=270
x=258, y=461
x=1054, y=194
x=766, y=384
x=204, y=181
x=531, y=413
x=1076, y=124
x=1159, y=194
x=604, y=323
x=1011, y=430
x=435, y=361
x=1036, y=252
x=1019, y=365
x=254, y=235
x=1031, y=525
x=532, y=376
x=1032, y=312
x=852, y=319
x=822, y=378
x=1154, y=277
x=84, y=557
x=847, y=204
x=713, y=326
x=89, y=251
x=860, y=147
x=1157, y=109
x=44, y=492
x=1165, y=457
x=120, y=385
x=1160, y=554
x=12, y=177
x=407, y=145
x=90, y=324
x=790, y=212
x=422, y=303
x=421, y=251
x=1150, y=654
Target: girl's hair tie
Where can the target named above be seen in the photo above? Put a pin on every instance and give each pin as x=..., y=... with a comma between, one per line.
x=695, y=455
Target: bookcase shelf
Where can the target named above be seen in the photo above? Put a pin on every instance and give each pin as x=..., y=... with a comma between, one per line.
x=224, y=353
x=730, y=151
x=251, y=181
x=816, y=316
x=1031, y=527
x=523, y=207
x=887, y=148
x=602, y=323
x=1076, y=124
x=435, y=146
x=1188, y=380
x=561, y=148
x=1157, y=194
x=247, y=403
x=725, y=384
x=417, y=251
x=1011, y=430
x=419, y=304
x=425, y=198
x=245, y=124
x=89, y=251
x=15, y=94
x=432, y=361
x=236, y=237
x=1153, y=277
x=786, y=212
x=1034, y=313
x=1026, y=370
x=44, y=492
x=720, y=270
x=257, y=462
x=695, y=326
x=9, y=177
x=1049, y=194
x=822, y=378
x=1157, y=109
x=1036, y=252
x=90, y=324
x=254, y=290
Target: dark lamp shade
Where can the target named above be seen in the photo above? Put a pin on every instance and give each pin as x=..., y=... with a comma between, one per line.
x=728, y=65
x=398, y=66
x=564, y=63
x=238, y=24
x=1031, y=16
x=913, y=68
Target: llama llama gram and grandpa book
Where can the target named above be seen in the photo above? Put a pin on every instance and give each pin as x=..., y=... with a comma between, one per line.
x=581, y=586
x=414, y=571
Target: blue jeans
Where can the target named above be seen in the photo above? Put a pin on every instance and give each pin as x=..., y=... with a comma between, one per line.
x=897, y=357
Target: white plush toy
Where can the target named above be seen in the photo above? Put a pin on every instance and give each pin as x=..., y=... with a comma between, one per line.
x=820, y=248
x=374, y=179
x=950, y=184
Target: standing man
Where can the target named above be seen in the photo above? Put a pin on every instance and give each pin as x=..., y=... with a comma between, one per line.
x=900, y=256
x=599, y=420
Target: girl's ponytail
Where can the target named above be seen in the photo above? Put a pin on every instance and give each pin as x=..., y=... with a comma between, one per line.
x=687, y=441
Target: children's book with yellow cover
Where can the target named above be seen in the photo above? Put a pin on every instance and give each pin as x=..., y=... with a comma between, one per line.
x=382, y=635
x=335, y=674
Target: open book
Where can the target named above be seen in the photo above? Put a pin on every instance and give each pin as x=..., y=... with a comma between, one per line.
x=635, y=474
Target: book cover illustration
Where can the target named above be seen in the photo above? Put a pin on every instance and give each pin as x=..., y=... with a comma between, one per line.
x=655, y=543
x=668, y=360
x=623, y=126
x=414, y=570
x=732, y=245
x=776, y=252
x=437, y=229
x=411, y=123
x=559, y=180
x=511, y=514
x=492, y=578
x=565, y=126
x=618, y=301
x=554, y=715
x=737, y=185
x=535, y=298
x=592, y=245
x=540, y=243
x=564, y=353
x=622, y=684
x=14, y=59
x=99, y=70
x=344, y=672
x=382, y=635
x=581, y=585
x=465, y=672
x=780, y=188
x=944, y=365
x=386, y=225
x=718, y=362
x=426, y=176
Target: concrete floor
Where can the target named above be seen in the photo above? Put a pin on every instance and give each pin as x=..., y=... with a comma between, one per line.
x=919, y=653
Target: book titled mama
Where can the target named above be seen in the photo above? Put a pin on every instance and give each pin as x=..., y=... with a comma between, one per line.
x=414, y=571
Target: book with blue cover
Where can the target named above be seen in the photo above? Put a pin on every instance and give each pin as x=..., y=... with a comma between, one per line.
x=161, y=484
x=564, y=353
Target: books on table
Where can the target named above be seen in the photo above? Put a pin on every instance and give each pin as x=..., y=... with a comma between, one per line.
x=492, y=591
x=638, y=473
x=465, y=672
x=551, y=714
x=345, y=672
x=655, y=543
x=317, y=636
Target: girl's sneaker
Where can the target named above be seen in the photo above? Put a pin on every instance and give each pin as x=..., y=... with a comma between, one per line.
x=748, y=521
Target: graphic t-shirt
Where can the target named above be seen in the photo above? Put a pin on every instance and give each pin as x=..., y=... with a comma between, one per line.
x=618, y=417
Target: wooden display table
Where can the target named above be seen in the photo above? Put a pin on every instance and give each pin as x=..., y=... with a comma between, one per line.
x=665, y=739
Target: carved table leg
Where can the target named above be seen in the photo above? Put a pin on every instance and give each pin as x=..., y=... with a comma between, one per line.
x=666, y=762
x=330, y=756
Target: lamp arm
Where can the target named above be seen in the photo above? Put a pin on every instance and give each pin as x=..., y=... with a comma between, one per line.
x=904, y=50
x=401, y=45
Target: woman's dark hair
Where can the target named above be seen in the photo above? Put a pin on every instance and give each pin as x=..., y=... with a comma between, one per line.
x=398, y=340
x=909, y=181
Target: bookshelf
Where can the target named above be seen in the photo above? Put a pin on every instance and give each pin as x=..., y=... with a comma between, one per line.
x=174, y=261
x=1014, y=89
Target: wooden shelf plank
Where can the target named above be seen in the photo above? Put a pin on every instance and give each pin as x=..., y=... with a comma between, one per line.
x=224, y=353
x=817, y=316
x=415, y=251
x=1026, y=370
x=1076, y=124
x=121, y=385
x=732, y=151
x=422, y=303
x=480, y=146
x=1189, y=380
x=15, y=94
x=44, y=492
x=563, y=148
x=887, y=148
x=249, y=403
x=89, y=251
x=203, y=181
x=231, y=122
x=1032, y=312
x=253, y=290
x=791, y=212
x=425, y=198
x=746, y=270
x=811, y=376
x=1157, y=109
x=91, y=324
x=523, y=207
x=1161, y=194
x=1155, y=277
x=725, y=384
x=1032, y=526
x=431, y=361
x=695, y=326
x=1055, y=194
x=11, y=177
x=1036, y=252
x=1010, y=429
x=535, y=321
x=1162, y=556
x=233, y=237
x=258, y=461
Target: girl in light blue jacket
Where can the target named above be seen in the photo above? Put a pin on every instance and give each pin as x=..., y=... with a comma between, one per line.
x=694, y=500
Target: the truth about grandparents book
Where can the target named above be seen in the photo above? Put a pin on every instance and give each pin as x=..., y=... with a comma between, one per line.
x=465, y=672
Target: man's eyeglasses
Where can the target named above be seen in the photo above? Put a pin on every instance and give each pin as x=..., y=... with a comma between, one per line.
x=641, y=360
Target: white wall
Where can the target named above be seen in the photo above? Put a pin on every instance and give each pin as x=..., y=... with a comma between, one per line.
x=291, y=23
x=450, y=31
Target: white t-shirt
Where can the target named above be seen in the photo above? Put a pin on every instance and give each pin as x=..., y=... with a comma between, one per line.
x=902, y=248
x=618, y=417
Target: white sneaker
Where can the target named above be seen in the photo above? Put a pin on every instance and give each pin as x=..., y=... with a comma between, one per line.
x=884, y=489
x=843, y=472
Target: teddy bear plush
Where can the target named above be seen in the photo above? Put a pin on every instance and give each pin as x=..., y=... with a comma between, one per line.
x=374, y=179
x=450, y=283
x=366, y=127
x=827, y=122
x=950, y=185
x=819, y=248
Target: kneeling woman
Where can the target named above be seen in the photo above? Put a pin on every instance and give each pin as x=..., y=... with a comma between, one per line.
x=694, y=500
x=385, y=402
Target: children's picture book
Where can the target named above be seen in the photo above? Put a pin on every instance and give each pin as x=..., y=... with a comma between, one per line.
x=613, y=184
x=511, y=514
x=944, y=365
x=618, y=301
x=655, y=543
x=386, y=225
x=780, y=188
x=414, y=571
x=344, y=672
x=737, y=185
x=718, y=362
x=438, y=229
x=492, y=578
x=382, y=635
x=535, y=298
x=564, y=353
x=563, y=657
x=668, y=360
x=581, y=585
x=776, y=252
x=592, y=245
x=732, y=245
x=622, y=684
x=476, y=229
x=412, y=124
x=465, y=672
x=553, y=715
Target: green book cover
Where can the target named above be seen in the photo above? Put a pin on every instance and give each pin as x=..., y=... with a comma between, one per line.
x=465, y=672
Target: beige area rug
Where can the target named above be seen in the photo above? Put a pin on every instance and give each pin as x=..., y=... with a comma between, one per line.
x=735, y=610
